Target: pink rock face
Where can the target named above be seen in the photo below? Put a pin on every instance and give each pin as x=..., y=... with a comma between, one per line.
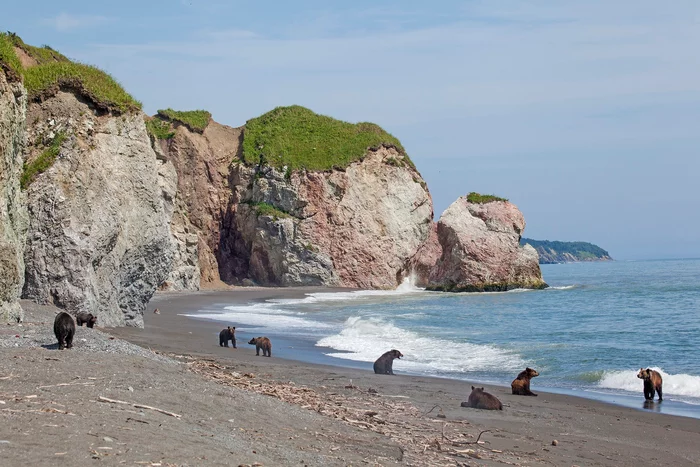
x=481, y=251
x=429, y=253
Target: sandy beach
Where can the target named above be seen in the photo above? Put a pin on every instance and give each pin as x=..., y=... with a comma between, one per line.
x=223, y=406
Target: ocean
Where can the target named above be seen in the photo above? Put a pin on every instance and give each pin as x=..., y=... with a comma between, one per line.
x=587, y=335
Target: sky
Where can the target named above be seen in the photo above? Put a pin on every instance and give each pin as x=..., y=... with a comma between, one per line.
x=585, y=115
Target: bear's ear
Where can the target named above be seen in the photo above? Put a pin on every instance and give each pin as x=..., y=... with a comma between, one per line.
x=473, y=388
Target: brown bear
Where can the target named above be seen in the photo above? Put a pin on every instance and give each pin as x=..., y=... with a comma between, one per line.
x=652, y=382
x=384, y=364
x=64, y=329
x=86, y=318
x=521, y=384
x=479, y=399
x=262, y=343
x=228, y=334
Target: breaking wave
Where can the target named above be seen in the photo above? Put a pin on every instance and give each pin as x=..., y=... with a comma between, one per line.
x=679, y=385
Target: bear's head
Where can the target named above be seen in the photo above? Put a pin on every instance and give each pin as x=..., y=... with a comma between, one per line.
x=253, y=341
x=396, y=354
x=644, y=374
x=477, y=389
x=93, y=319
x=531, y=373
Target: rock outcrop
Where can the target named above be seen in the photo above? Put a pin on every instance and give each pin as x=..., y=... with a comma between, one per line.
x=356, y=227
x=13, y=215
x=481, y=251
x=202, y=161
x=98, y=237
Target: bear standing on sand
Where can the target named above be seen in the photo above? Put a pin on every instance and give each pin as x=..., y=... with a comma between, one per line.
x=479, y=399
x=521, y=384
x=262, y=343
x=652, y=382
x=228, y=334
x=64, y=329
x=86, y=318
x=384, y=364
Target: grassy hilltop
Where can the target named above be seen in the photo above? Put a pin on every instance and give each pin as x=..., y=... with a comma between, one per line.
x=298, y=138
x=44, y=71
x=566, y=252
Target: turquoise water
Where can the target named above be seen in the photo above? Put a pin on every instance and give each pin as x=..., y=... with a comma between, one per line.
x=588, y=334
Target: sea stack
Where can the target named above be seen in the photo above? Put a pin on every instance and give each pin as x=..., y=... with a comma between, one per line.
x=480, y=238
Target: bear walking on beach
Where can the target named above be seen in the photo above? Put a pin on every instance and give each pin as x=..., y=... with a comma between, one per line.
x=479, y=399
x=521, y=385
x=228, y=334
x=64, y=329
x=86, y=318
x=262, y=343
x=652, y=382
x=384, y=364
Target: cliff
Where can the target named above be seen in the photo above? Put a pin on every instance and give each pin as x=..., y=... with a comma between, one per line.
x=566, y=252
x=480, y=248
x=102, y=205
x=13, y=211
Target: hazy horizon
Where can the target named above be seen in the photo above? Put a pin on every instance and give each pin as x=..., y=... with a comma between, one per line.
x=583, y=115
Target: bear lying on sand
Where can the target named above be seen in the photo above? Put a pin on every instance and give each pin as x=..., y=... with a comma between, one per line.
x=228, y=334
x=262, y=343
x=86, y=318
x=521, y=384
x=479, y=399
x=652, y=382
x=384, y=364
x=64, y=329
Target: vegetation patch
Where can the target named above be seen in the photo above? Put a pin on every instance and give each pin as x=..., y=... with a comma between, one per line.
x=42, y=163
x=195, y=120
x=478, y=198
x=103, y=90
x=298, y=138
x=54, y=71
x=266, y=209
x=8, y=58
x=159, y=129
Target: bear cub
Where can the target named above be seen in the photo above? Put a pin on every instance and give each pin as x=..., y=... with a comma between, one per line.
x=384, y=364
x=521, y=384
x=479, y=399
x=86, y=318
x=652, y=382
x=262, y=343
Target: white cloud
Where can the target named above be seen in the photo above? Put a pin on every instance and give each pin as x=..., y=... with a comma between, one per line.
x=66, y=22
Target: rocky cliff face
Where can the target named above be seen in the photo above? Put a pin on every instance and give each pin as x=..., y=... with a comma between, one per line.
x=13, y=214
x=202, y=162
x=356, y=227
x=98, y=237
x=480, y=249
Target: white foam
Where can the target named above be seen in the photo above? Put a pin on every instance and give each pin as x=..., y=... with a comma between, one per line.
x=407, y=287
x=679, y=385
x=365, y=339
x=561, y=287
x=262, y=315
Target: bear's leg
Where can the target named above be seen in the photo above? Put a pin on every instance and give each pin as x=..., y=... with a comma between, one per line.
x=257, y=351
x=661, y=397
x=233, y=341
x=69, y=340
x=61, y=344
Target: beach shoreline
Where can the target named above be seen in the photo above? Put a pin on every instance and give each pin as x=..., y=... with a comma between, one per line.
x=540, y=417
x=234, y=408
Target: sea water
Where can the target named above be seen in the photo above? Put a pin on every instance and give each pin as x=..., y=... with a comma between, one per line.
x=588, y=334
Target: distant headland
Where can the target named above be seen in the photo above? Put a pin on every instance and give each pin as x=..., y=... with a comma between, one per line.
x=566, y=252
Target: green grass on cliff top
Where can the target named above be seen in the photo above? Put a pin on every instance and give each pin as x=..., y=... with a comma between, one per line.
x=55, y=71
x=195, y=120
x=298, y=138
x=478, y=198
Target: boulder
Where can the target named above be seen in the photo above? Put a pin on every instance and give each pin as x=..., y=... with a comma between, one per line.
x=481, y=251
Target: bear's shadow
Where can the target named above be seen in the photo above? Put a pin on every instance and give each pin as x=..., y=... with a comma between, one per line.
x=651, y=405
x=50, y=346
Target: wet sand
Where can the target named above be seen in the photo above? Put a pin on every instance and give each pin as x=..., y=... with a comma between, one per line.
x=587, y=432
